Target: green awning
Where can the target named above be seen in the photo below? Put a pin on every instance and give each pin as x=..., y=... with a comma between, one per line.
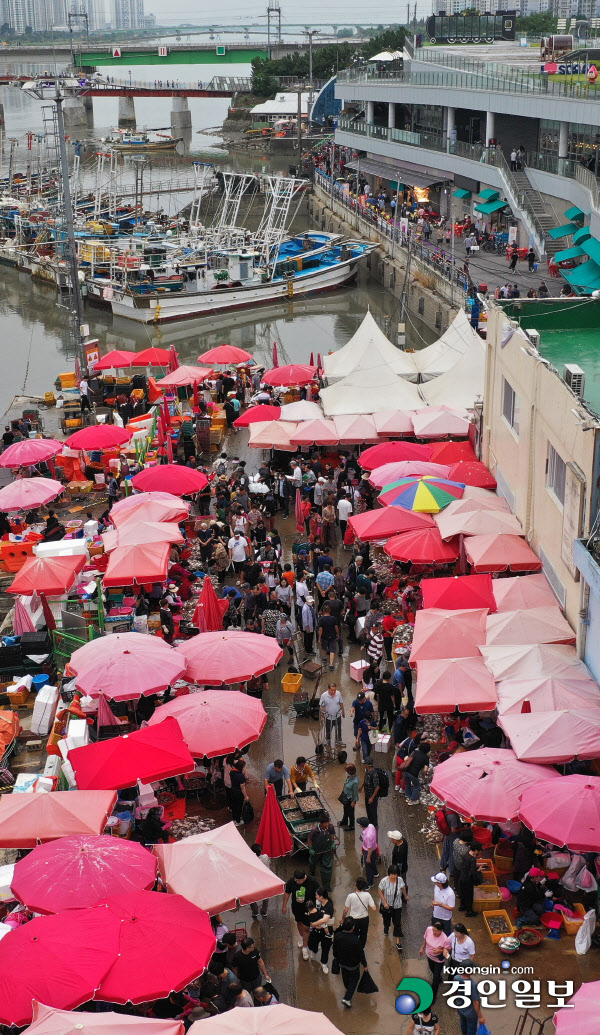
x=489, y=194
x=460, y=193
x=490, y=206
x=591, y=247
x=587, y=276
x=569, y=253
x=582, y=235
x=563, y=231
x=575, y=214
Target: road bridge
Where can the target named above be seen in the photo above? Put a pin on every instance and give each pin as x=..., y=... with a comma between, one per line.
x=201, y=53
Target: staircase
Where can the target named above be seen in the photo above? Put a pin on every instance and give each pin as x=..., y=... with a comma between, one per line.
x=547, y=222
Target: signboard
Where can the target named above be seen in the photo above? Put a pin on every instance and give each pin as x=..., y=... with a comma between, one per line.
x=116, y=52
x=163, y=51
x=512, y=235
x=220, y=51
x=92, y=353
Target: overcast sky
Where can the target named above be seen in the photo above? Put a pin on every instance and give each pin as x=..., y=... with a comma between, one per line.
x=238, y=11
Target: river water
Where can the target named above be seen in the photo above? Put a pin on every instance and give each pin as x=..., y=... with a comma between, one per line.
x=33, y=321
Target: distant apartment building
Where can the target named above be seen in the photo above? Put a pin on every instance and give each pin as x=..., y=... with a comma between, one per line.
x=127, y=14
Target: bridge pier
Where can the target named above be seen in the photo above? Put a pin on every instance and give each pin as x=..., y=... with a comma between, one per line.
x=74, y=112
x=88, y=102
x=126, y=113
x=181, y=116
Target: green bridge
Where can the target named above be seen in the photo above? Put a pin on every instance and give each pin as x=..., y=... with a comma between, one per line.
x=219, y=54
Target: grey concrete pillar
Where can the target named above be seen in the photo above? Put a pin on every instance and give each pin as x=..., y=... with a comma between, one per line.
x=391, y=115
x=74, y=112
x=563, y=146
x=489, y=127
x=181, y=116
x=126, y=113
x=370, y=111
x=88, y=102
x=450, y=128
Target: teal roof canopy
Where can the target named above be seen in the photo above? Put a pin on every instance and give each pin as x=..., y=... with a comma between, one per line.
x=563, y=231
x=491, y=206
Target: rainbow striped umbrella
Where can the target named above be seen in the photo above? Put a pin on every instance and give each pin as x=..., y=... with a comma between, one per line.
x=427, y=495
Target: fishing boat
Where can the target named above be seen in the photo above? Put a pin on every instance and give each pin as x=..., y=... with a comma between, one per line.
x=131, y=142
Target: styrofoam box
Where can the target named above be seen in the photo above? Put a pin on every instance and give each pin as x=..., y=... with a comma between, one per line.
x=25, y=782
x=6, y=878
x=44, y=710
x=383, y=742
x=52, y=767
x=356, y=670
x=62, y=548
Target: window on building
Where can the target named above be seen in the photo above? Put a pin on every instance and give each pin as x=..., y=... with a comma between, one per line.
x=421, y=306
x=556, y=473
x=510, y=406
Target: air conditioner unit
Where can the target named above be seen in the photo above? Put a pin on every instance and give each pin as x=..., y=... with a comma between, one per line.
x=575, y=378
x=534, y=337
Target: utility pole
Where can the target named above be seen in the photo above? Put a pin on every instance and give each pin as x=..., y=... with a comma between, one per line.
x=299, y=122
x=310, y=33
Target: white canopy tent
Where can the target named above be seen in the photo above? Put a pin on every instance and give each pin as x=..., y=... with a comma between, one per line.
x=388, y=55
x=442, y=355
x=463, y=383
x=370, y=390
x=368, y=348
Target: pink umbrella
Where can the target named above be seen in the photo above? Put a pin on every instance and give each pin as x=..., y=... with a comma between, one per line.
x=215, y=722
x=529, y=661
x=137, y=565
x=138, y=533
x=29, y=493
x=553, y=737
x=229, y=657
x=149, y=506
x=99, y=436
x=545, y=693
x=477, y=522
x=501, y=552
x=439, y=424
x=47, y=1021
x=125, y=666
x=384, y=522
x=81, y=871
x=318, y=432
x=292, y=374
x=485, y=501
x=581, y=1013
x=223, y=355
x=447, y=634
x=273, y=435
x=174, y=478
x=487, y=784
x=523, y=591
x=392, y=423
x=463, y=683
x=388, y=473
x=285, y=1020
x=216, y=870
x=565, y=813
x=29, y=452
x=185, y=375
x=257, y=415
x=276, y=355
x=275, y=838
x=355, y=429
x=533, y=625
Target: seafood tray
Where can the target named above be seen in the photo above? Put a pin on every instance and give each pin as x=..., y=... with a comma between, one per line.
x=303, y=827
x=288, y=803
x=310, y=804
x=293, y=815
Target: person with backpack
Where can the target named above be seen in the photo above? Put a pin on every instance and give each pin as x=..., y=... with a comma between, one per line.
x=376, y=785
x=419, y=762
x=424, y=1022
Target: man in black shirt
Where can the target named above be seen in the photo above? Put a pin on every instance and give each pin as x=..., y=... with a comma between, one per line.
x=420, y=760
x=399, y=852
x=300, y=889
x=336, y=607
x=249, y=965
x=384, y=695
x=329, y=634
x=8, y=437
x=350, y=955
x=371, y=789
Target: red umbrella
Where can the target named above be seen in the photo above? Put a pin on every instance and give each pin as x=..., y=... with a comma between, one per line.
x=125, y=666
x=165, y=943
x=47, y=1021
x=81, y=871
x=390, y=452
x=173, y=359
x=299, y=513
x=387, y=521
x=224, y=355
x=115, y=360
x=273, y=835
x=137, y=565
x=182, y=376
x=208, y=616
x=215, y=722
x=152, y=357
x=60, y=960
x=421, y=546
x=276, y=355
x=229, y=657
x=452, y=452
x=150, y=754
x=30, y=451
x=472, y=472
x=174, y=478
x=311, y=361
x=51, y=576
x=105, y=716
x=258, y=415
x=29, y=819
x=293, y=374
x=459, y=592
x=99, y=436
